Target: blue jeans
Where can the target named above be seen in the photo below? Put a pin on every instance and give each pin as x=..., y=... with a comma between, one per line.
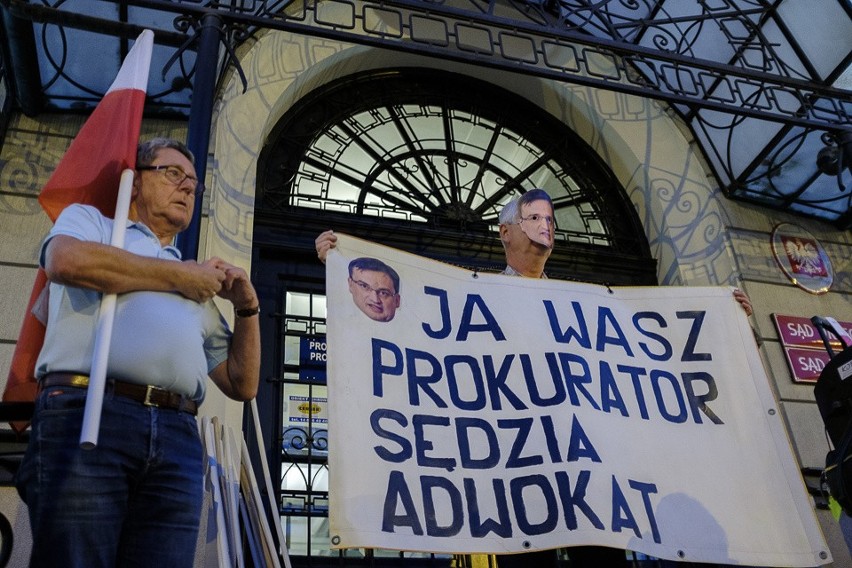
x=134, y=500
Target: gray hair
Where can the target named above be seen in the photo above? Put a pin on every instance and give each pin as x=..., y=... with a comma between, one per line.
x=146, y=152
x=511, y=212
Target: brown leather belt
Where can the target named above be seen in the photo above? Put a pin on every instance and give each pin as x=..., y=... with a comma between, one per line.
x=146, y=394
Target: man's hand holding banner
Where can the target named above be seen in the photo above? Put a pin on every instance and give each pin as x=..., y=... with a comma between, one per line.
x=498, y=414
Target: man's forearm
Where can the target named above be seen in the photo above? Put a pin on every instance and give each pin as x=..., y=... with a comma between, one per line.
x=239, y=376
x=105, y=268
x=111, y=270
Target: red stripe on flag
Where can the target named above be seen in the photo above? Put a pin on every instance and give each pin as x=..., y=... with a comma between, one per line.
x=21, y=387
x=105, y=146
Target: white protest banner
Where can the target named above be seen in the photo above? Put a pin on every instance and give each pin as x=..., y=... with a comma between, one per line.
x=483, y=413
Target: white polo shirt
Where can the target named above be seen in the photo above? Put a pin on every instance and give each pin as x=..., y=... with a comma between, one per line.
x=159, y=338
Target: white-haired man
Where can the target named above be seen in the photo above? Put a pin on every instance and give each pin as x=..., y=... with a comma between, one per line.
x=136, y=498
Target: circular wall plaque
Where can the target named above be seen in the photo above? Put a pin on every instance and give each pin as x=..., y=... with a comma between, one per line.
x=801, y=258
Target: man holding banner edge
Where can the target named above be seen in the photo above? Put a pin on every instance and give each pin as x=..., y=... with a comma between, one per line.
x=527, y=233
x=136, y=497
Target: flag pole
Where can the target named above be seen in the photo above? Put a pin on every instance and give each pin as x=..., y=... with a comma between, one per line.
x=103, y=332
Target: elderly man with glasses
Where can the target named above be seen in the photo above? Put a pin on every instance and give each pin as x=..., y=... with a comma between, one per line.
x=136, y=498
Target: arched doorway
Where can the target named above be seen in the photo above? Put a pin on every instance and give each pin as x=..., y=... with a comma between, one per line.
x=420, y=160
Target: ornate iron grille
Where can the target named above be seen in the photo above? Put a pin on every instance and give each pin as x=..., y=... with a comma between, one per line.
x=442, y=150
x=738, y=71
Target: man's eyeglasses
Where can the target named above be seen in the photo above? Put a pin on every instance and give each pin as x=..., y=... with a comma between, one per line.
x=175, y=176
x=535, y=218
x=383, y=293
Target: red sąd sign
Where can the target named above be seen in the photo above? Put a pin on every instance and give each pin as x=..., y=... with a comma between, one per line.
x=803, y=346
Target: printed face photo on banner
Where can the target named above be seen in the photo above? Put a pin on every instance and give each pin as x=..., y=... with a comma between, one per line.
x=375, y=288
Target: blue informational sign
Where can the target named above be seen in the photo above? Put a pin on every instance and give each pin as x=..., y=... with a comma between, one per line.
x=312, y=351
x=312, y=358
x=308, y=374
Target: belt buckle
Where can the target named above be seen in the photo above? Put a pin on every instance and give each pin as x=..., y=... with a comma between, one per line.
x=80, y=381
x=147, y=401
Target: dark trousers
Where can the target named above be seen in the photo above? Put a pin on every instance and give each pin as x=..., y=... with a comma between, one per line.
x=537, y=559
x=597, y=557
x=581, y=557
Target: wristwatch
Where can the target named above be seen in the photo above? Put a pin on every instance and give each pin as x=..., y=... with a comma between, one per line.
x=247, y=312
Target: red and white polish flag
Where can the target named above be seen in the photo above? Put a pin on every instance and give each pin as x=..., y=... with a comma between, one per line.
x=88, y=173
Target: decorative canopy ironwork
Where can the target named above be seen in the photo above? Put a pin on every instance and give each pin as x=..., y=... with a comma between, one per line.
x=762, y=84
